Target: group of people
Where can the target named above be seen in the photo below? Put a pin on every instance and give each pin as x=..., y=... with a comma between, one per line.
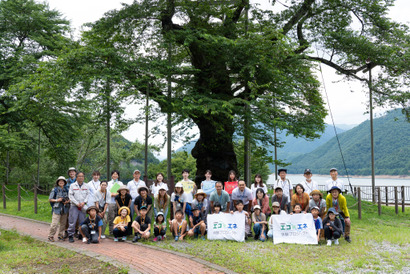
x=129, y=209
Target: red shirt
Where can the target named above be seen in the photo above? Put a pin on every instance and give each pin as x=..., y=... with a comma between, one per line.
x=230, y=186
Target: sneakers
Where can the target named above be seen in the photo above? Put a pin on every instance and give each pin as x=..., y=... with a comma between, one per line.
x=61, y=239
x=329, y=242
x=115, y=239
x=155, y=239
x=136, y=238
x=176, y=238
x=102, y=236
x=347, y=239
x=203, y=238
x=71, y=239
x=51, y=239
x=84, y=240
x=336, y=242
x=88, y=241
x=124, y=238
x=159, y=238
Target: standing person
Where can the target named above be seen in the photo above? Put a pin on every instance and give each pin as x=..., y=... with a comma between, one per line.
x=93, y=186
x=275, y=211
x=338, y=202
x=72, y=172
x=160, y=227
x=158, y=183
x=121, y=224
x=259, y=223
x=178, y=199
x=188, y=185
x=134, y=186
x=208, y=185
x=332, y=227
x=78, y=195
x=60, y=206
x=230, y=185
x=308, y=183
x=334, y=180
x=318, y=221
x=300, y=197
x=244, y=194
x=220, y=196
x=262, y=200
x=101, y=200
x=282, y=199
x=201, y=203
x=258, y=183
x=284, y=183
x=124, y=199
x=161, y=202
x=318, y=201
x=248, y=221
x=143, y=200
x=113, y=185
x=90, y=228
x=142, y=224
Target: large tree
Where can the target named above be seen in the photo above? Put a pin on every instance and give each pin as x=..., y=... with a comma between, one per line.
x=229, y=60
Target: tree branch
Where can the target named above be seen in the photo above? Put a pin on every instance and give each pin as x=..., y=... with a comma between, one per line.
x=304, y=8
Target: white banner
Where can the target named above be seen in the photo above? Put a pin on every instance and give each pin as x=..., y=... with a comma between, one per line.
x=296, y=228
x=225, y=226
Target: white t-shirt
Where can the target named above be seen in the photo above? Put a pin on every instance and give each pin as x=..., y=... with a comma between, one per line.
x=155, y=189
x=189, y=187
x=110, y=185
x=93, y=186
x=338, y=182
x=133, y=186
x=310, y=186
x=180, y=202
x=285, y=185
x=245, y=195
x=253, y=189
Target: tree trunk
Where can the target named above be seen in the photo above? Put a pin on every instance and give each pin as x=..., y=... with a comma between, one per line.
x=214, y=149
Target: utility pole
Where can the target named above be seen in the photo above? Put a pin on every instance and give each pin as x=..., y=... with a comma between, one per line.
x=146, y=132
x=169, y=116
x=108, y=97
x=247, y=145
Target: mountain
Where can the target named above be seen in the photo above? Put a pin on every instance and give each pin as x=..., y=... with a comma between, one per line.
x=391, y=149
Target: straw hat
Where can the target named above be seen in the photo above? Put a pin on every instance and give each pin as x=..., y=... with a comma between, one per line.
x=61, y=178
x=200, y=192
x=92, y=207
x=316, y=192
x=124, y=207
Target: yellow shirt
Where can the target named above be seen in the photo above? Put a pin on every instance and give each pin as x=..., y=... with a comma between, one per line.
x=121, y=220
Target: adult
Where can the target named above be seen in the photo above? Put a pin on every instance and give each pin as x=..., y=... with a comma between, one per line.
x=143, y=200
x=220, y=196
x=158, y=184
x=300, y=197
x=93, y=186
x=134, y=186
x=72, y=172
x=244, y=194
x=188, y=185
x=208, y=185
x=101, y=200
x=258, y=183
x=161, y=202
x=262, y=200
x=284, y=183
x=61, y=204
x=230, y=185
x=336, y=200
x=318, y=201
x=308, y=183
x=282, y=199
x=334, y=180
x=113, y=185
x=78, y=195
x=275, y=211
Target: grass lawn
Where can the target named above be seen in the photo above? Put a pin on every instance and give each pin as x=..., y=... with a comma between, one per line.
x=380, y=244
x=23, y=254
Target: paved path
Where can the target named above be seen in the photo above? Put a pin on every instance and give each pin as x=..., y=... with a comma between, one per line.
x=144, y=259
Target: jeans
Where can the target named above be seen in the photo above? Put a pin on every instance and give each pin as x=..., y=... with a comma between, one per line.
x=119, y=233
x=257, y=229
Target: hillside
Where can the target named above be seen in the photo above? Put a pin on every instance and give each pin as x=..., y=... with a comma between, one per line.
x=392, y=150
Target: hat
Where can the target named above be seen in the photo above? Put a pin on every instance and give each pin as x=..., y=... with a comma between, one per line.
x=159, y=213
x=123, y=188
x=162, y=188
x=314, y=207
x=335, y=188
x=124, y=207
x=135, y=171
x=275, y=204
x=179, y=184
x=316, y=192
x=92, y=207
x=194, y=208
x=332, y=210
x=278, y=187
x=256, y=207
x=332, y=169
x=61, y=178
x=284, y=170
x=307, y=171
x=143, y=207
x=71, y=169
x=142, y=188
x=200, y=192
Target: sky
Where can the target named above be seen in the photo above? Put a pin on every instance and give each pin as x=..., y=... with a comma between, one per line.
x=348, y=100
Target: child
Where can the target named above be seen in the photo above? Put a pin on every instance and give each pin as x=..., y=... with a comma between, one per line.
x=337, y=201
x=318, y=201
x=258, y=184
x=91, y=228
x=161, y=202
x=332, y=227
x=297, y=209
x=301, y=198
x=61, y=204
x=178, y=199
x=160, y=227
x=217, y=208
x=263, y=201
x=121, y=224
x=101, y=199
x=239, y=209
x=208, y=185
x=93, y=186
x=259, y=223
x=318, y=221
x=158, y=183
x=143, y=200
x=275, y=211
x=197, y=224
x=201, y=203
x=178, y=226
x=282, y=199
x=230, y=185
x=142, y=225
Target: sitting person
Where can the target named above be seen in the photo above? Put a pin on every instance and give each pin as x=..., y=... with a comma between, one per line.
x=337, y=201
x=262, y=200
x=91, y=227
x=197, y=224
x=318, y=201
x=217, y=208
x=201, y=203
x=259, y=223
x=300, y=197
x=282, y=199
x=318, y=221
x=275, y=211
x=239, y=209
x=142, y=225
x=121, y=224
x=160, y=227
x=332, y=227
x=178, y=226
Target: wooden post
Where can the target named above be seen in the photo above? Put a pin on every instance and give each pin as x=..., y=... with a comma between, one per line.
x=359, y=203
x=35, y=199
x=3, y=189
x=387, y=196
x=355, y=191
x=396, y=200
x=19, y=197
x=379, y=201
x=402, y=199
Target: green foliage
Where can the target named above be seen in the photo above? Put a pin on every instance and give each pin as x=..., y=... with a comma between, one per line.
x=179, y=161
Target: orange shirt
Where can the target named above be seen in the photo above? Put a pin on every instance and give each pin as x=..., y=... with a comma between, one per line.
x=303, y=200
